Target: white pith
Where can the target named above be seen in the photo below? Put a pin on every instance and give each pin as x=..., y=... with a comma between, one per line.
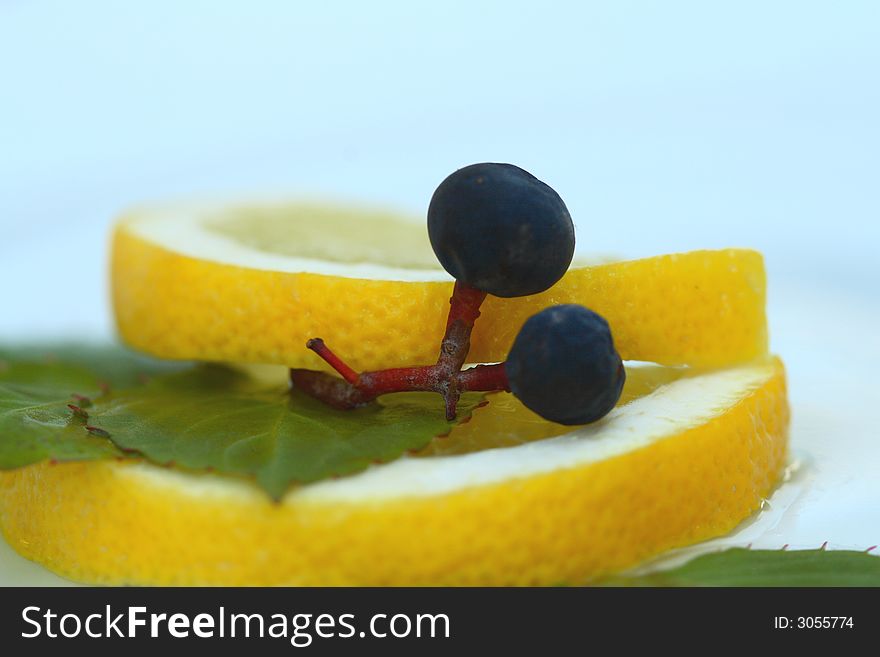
x=668, y=411
x=181, y=229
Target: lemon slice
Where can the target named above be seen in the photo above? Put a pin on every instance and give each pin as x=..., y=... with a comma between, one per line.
x=687, y=460
x=253, y=283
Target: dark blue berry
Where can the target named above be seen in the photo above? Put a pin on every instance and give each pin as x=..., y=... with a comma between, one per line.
x=564, y=367
x=499, y=229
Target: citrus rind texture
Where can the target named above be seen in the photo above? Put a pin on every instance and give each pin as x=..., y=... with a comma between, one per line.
x=183, y=290
x=564, y=510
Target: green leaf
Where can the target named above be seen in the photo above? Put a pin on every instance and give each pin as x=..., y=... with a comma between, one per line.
x=201, y=418
x=35, y=421
x=214, y=418
x=761, y=568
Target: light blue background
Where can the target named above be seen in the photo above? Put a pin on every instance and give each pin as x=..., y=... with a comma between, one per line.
x=665, y=126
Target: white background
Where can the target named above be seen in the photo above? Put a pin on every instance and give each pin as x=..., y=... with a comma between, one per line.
x=664, y=126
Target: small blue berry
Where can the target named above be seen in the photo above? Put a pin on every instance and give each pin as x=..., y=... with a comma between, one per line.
x=564, y=367
x=499, y=229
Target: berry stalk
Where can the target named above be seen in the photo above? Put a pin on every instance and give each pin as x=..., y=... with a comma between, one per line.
x=444, y=377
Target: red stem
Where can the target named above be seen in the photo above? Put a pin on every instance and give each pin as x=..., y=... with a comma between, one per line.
x=484, y=378
x=317, y=345
x=464, y=305
x=444, y=377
